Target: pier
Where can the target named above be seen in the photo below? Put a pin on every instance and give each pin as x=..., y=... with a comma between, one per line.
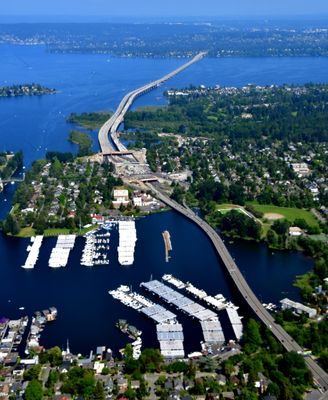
x=168, y=244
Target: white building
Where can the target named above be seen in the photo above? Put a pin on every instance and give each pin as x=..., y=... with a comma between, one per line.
x=301, y=169
x=298, y=308
x=295, y=231
x=121, y=197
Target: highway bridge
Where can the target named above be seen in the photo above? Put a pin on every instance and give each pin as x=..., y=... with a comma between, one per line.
x=320, y=376
x=112, y=143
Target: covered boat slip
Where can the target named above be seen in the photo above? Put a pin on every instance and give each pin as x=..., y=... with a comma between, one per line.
x=127, y=240
x=170, y=337
x=60, y=253
x=212, y=331
x=211, y=327
x=236, y=323
x=183, y=303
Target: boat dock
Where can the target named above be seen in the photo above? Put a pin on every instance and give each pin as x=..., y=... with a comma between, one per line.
x=236, y=323
x=168, y=244
x=218, y=302
x=34, y=250
x=60, y=253
x=127, y=240
x=213, y=332
x=169, y=332
x=95, y=251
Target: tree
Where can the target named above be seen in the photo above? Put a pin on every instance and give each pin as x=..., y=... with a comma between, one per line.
x=99, y=392
x=151, y=360
x=252, y=336
x=11, y=225
x=33, y=390
x=32, y=373
x=272, y=238
x=55, y=356
x=280, y=226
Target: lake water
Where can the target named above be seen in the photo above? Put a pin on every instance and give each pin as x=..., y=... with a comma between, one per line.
x=36, y=124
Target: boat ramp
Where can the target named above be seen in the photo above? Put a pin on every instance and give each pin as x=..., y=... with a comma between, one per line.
x=60, y=253
x=33, y=250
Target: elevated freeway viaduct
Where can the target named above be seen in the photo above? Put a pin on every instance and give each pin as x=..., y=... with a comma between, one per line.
x=108, y=137
x=319, y=375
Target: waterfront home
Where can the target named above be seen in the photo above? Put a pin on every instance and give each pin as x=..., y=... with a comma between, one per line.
x=298, y=308
x=97, y=219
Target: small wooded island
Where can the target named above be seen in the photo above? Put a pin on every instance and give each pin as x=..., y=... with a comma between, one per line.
x=33, y=89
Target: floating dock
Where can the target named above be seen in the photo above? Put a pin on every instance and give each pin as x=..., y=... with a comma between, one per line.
x=168, y=244
x=127, y=241
x=60, y=253
x=34, y=250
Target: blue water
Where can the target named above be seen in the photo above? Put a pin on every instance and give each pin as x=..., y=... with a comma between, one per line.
x=36, y=124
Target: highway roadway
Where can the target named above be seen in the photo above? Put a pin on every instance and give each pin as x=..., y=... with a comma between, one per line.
x=320, y=376
x=110, y=126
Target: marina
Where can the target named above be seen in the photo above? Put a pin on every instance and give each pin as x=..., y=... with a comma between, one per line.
x=127, y=240
x=59, y=254
x=218, y=302
x=33, y=250
x=169, y=331
x=212, y=331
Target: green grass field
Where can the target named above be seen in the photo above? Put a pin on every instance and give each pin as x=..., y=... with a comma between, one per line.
x=224, y=211
x=28, y=232
x=289, y=213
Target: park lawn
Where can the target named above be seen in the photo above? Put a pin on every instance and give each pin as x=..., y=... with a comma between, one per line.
x=56, y=231
x=265, y=228
x=66, y=231
x=289, y=213
x=26, y=232
x=227, y=206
